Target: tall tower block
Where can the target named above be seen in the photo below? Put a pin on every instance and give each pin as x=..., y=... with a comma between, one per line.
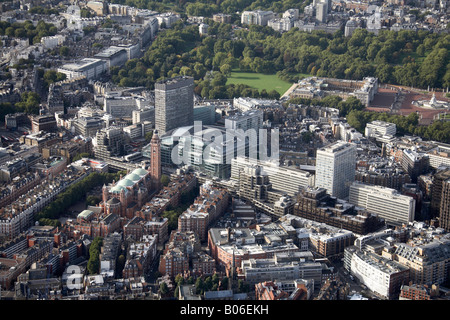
x=335, y=168
x=174, y=103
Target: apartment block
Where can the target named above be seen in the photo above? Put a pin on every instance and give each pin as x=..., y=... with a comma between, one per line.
x=382, y=276
x=140, y=255
x=178, y=252
x=207, y=208
x=427, y=261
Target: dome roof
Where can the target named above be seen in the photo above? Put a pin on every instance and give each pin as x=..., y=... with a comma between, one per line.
x=140, y=172
x=125, y=183
x=117, y=189
x=133, y=177
x=113, y=201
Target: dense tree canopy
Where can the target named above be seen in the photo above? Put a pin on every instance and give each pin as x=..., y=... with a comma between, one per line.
x=409, y=58
x=28, y=30
x=208, y=7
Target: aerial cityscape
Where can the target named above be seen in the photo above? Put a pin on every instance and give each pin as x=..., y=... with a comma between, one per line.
x=225, y=151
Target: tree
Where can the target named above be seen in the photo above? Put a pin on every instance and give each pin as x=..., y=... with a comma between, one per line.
x=163, y=289
x=225, y=69
x=64, y=51
x=148, y=136
x=93, y=265
x=79, y=156
x=199, y=286
x=165, y=180
x=92, y=200
x=121, y=260
x=29, y=103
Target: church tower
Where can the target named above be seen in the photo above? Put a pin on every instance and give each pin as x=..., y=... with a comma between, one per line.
x=104, y=194
x=155, y=162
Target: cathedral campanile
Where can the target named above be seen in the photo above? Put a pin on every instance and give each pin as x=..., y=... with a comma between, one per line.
x=155, y=162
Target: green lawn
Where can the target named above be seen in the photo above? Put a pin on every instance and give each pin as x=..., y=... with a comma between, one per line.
x=259, y=81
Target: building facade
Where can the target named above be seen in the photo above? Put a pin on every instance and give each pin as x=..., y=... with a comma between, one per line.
x=387, y=203
x=335, y=168
x=174, y=103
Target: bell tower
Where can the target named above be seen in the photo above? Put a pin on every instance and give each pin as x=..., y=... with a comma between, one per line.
x=155, y=161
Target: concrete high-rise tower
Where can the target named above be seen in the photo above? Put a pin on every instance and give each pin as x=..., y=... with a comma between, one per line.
x=335, y=168
x=322, y=11
x=174, y=103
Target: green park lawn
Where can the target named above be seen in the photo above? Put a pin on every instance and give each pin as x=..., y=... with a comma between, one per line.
x=259, y=81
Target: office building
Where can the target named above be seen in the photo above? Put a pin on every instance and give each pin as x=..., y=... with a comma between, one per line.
x=43, y=123
x=321, y=12
x=258, y=270
x=316, y=205
x=439, y=156
x=87, y=126
x=415, y=163
x=380, y=128
x=110, y=143
x=230, y=246
x=256, y=188
x=89, y=67
x=388, y=204
x=144, y=114
x=285, y=179
x=258, y=17
x=252, y=119
x=114, y=56
x=206, y=114
x=174, y=103
x=207, y=149
x=438, y=181
x=335, y=168
x=444, y=216
x=119, y=107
